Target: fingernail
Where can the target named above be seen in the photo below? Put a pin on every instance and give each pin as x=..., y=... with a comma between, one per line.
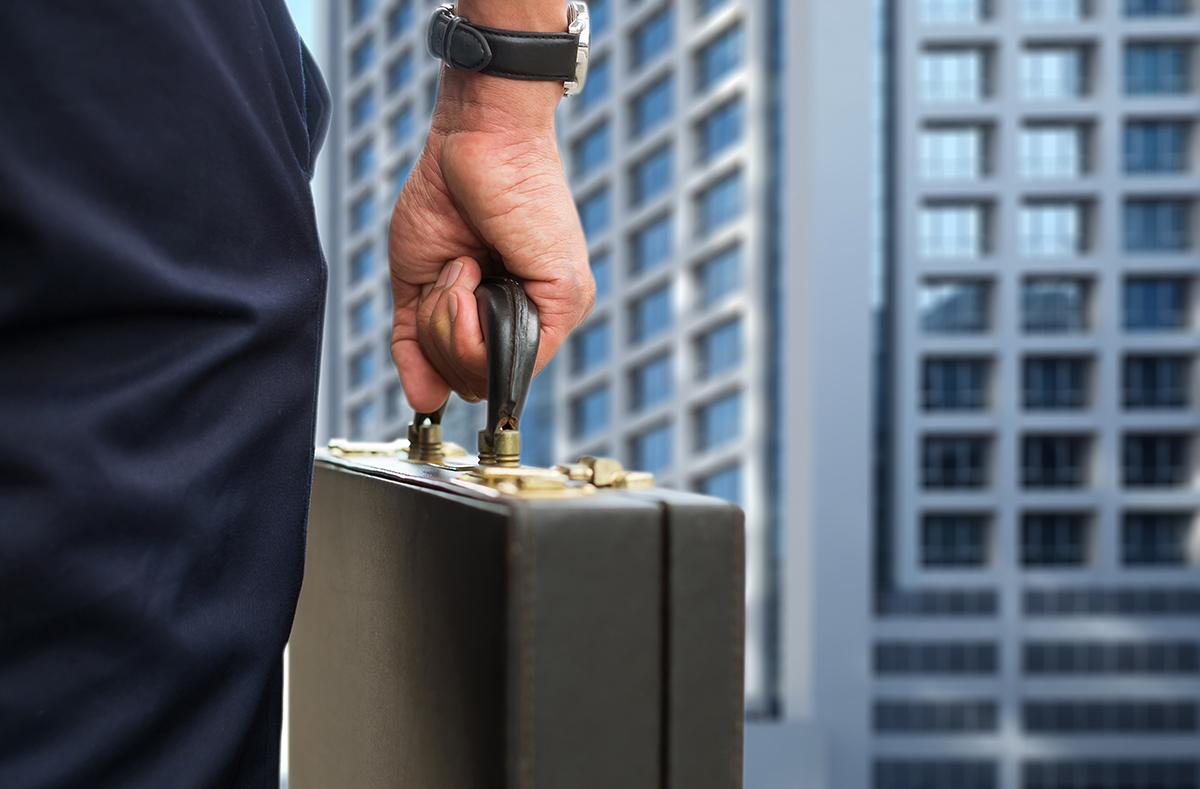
x=441, y=280
x=455, y=269
x=453, y=306
x=425, y=289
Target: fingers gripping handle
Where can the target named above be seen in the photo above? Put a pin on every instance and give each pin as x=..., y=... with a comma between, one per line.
x=511, y=329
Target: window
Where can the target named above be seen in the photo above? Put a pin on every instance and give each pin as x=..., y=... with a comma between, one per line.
x=720, y=129
x=400, y=19
x=431, y=94
x=953, y=153
x=362, y=212
x=706, y=7
x=362, y=421
x=650, y=315
x=953, y=76
x=1155, y=304
x=954, y=384
x=651, y=177
x=590, y=347
x=400, y=176
x=954, y=541
x=1158, y=539
x=1052, y=10
x=1054, y=539
x=1092, y=601
x=952, y=231
x=650, y=384
x=1156, y=461
x=1052, y=229
x=403, y=124
x=934, y=774
x=596, y=86
x=362, y=161
x=1111, y=657
x=362, y=109
x=719, y=422
x=929, y=717
x=954, y=462
x=1053, y=73
x=652, y=39
x=724, y=484
x=400, y=72
x=1156, y=225
x=1055, y=383
x=651, y=451
x=1156, y=7
x=1156, y=147
x=954, y=307
x=1155, y=382
x=1049, y=151
x=362, y=317
x=934, y=657
x=394, y=401
x=652, y=107
x=591, y=151
x=719, y=276
x=598, y=17
x=1054, y=461
x=719, y=58
x=952, y=12
x=1106, y=772
x=361, y=57
x=602, y=274
x=1156, y=69
x=362, y=368
x=1110, y=717
x=360, y=9
x=720, y=350
x=1054, y=305
x=719, y=204
x=589, y=413
x=651, y=246
x=595, y=213
x=362, y=264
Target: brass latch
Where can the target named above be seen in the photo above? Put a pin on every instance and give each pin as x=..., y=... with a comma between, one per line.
x=341, y=447
x=606, y=473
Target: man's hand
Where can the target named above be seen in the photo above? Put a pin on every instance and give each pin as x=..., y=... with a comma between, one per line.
x=487, y=195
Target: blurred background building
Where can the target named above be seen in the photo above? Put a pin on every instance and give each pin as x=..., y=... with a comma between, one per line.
x=915, y=284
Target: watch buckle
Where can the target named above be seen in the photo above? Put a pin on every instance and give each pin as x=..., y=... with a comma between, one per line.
x=577, y=23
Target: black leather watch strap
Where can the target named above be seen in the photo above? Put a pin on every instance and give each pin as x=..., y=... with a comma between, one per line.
x=502, y=53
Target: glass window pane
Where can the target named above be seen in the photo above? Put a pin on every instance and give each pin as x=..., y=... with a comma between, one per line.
x=652, y=247
x=719, y=276
x=362, y=368
x=1136, y=8
x=596, y=86
x=719, y=422
x=595, y=213
x=1054, y=461
x=720, y=349
x=590, y=347
x=362, y=109
x=1156, y=147
x=362, y=317
x=653, y=38
x=1052, y=151
x=590, y=413
x=403, y=125
x=362, y=56
x=651, y=177
x=952, y=12
x=1157, y=225
x=400, y=19
x=724, y=484
x=651, y=383
x=1157, y=69
x=954, y=541
x=652, y=107
x=1054, y=540
x=952, y=153
x=1156, y=382
x=1052, y=74
x=952, y=231
x=1156, y=538
x=651, y=315
x=1053, y=383
x=953, y=462
x=362, y=422
x=721, y=129
x=1052, y=10
x=719, y=58
x=953, y=75
x=362, y=212
x=719, y=204
x=362, y=264
x=1054, y=305
x=591, y=151
x=954, y=384
x=400, y=72
x=651, y=451
x=1052, y=229
x=362, y=161
x=953, y=307
x=1156, y=303
x=602, y=274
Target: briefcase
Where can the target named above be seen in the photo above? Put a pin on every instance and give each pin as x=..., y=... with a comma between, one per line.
x=468, y=622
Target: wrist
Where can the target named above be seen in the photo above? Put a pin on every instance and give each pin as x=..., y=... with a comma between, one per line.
x=469, y=101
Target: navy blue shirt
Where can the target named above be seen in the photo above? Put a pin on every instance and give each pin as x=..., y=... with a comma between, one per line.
x=161, y=291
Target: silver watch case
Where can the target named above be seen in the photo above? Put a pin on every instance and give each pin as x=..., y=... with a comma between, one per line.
x=577, y=23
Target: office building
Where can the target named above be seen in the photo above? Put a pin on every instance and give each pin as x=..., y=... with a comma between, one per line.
x=915, y=283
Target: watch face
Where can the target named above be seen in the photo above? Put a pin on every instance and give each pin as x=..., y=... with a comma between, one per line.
x=577, y=23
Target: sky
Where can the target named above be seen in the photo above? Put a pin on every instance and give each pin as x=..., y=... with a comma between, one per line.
x=304, y=12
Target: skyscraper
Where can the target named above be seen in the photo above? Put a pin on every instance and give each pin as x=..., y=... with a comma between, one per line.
x=915, y=283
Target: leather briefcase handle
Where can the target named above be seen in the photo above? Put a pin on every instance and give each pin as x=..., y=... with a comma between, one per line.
x=511, y=330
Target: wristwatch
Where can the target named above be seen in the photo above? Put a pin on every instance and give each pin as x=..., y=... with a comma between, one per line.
x=551, y=57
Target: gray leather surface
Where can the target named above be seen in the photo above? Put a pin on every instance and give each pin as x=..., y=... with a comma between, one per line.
x=447, y=641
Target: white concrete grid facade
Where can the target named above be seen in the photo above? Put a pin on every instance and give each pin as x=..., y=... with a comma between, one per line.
x=689, y=320
x=1101, y=112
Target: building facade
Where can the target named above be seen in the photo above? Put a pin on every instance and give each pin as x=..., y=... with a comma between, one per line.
x=915, y=284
